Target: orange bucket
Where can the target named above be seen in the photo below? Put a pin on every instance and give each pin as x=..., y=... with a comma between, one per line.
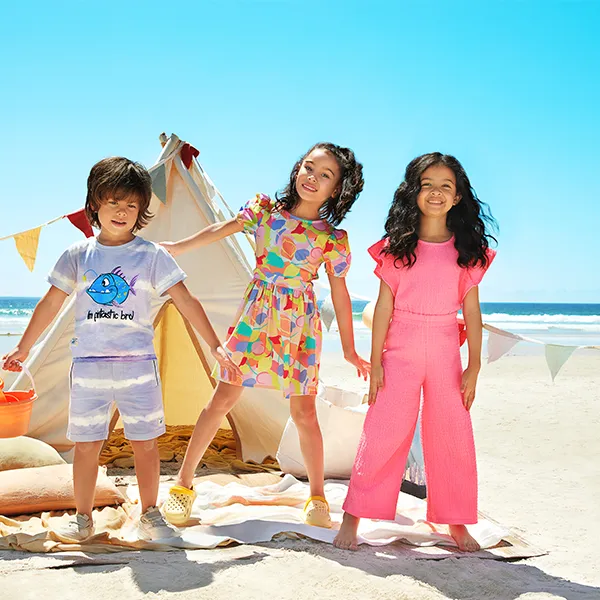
x=15, y=410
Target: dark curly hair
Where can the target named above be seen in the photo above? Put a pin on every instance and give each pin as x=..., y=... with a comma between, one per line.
x=335, y=209
x=466, y=220
x=118, y=177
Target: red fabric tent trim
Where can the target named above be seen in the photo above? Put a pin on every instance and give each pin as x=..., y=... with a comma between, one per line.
x=188, y=153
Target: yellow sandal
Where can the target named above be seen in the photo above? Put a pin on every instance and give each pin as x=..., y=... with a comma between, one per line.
x=316, y=512
x=177, y=508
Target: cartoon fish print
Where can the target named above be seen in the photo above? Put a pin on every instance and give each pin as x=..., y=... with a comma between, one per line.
x=111, y=288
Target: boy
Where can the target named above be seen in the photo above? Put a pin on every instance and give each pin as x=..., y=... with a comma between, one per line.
x=115, y=276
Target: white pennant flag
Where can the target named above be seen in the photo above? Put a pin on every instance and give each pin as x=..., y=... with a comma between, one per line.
x=159, y=182
x=498, y=345
x=327, y=312
x=557, y=356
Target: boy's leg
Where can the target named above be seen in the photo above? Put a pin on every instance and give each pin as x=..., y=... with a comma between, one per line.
x=85, y=474
x=139, y=399
x=147, y=470
x=89, y=414
x=223, y=400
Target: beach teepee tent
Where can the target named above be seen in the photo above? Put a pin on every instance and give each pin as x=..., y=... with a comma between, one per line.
x=184, y=201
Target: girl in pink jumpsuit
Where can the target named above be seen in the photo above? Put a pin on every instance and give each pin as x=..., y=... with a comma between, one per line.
x=433, y=256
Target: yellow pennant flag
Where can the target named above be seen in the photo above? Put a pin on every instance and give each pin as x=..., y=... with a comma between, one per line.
x=27, y=245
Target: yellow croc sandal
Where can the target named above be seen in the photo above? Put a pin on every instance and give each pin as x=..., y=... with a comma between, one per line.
x=316, y=512
x=177, y=508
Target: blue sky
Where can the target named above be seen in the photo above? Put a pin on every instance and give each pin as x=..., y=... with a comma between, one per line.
x=510, y=88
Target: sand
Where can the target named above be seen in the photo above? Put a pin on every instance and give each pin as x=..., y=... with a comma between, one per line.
x=539, y=466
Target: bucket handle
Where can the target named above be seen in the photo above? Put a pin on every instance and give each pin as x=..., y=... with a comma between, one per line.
x=27, y=372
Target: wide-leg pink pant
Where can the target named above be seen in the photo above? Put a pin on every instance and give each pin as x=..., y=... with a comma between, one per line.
x=422, y=352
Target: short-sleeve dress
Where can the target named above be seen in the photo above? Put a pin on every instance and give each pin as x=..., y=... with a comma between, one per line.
x=276, y=340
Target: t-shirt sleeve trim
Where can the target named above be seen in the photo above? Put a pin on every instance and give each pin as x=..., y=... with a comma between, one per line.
x=62, y=283
x=168, y=282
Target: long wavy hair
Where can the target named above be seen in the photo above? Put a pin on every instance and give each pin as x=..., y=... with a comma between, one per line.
x=334, y=209
x=467, y=220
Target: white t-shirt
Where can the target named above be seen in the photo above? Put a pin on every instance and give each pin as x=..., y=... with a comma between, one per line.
x=115, y=287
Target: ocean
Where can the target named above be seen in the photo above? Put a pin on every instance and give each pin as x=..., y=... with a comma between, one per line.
x=573, y=324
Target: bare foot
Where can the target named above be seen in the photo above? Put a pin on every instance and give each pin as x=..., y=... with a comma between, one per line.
x=463, y=539
x=346, y=537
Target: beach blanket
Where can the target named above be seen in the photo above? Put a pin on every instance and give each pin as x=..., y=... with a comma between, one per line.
x=236, y=512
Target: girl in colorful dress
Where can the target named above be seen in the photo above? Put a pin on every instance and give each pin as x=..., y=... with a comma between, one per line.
x=276, y=340
x=430, y=262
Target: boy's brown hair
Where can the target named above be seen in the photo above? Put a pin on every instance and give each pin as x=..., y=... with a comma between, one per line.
x=119, y=178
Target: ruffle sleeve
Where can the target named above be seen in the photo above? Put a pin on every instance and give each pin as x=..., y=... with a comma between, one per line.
x=472, y=276
x=385, y=269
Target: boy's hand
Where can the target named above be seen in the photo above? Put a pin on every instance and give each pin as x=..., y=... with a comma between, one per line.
x=468, y=385
x=376, y=382
x=170, y=247
x=222, y=357
x=12, y=361
x=363, y=367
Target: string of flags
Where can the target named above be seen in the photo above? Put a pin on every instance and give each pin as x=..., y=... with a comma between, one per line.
x=499, y=341
x=27, y=242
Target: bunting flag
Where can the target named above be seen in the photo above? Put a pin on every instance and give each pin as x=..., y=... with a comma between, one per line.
x=557, y=356
x=159, y=182
x=27, y=241
x=27, y=245
x=498, y=344
x=327, y=312
x=188, y=153
x=80, y=220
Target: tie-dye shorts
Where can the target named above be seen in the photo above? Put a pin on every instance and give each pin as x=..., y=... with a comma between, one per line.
x=96, y=386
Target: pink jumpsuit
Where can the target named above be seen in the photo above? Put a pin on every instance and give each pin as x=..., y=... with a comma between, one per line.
x=422, y=351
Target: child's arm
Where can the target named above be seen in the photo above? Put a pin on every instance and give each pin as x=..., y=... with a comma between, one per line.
x=343, y=314
x=381, y=323
x=208, y=235
x=45, y=311
x=191, y=308
x=472, y=315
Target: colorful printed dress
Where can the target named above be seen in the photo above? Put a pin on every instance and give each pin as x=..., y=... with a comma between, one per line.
x=277, y=338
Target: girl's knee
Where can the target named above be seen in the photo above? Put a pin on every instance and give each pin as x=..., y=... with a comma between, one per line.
x=304, y=414
x=224, y=398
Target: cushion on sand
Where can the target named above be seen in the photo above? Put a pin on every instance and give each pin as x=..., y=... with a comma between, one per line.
x=341, y=416
x=24, y=491
x=24, y=452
